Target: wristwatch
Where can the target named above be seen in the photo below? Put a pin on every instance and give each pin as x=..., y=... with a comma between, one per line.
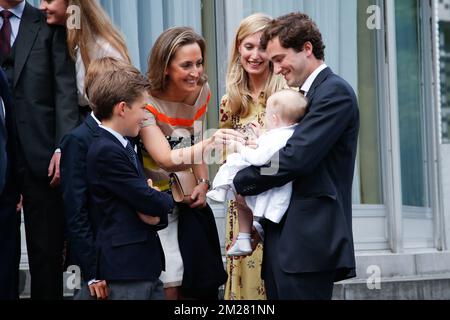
x=208, y=183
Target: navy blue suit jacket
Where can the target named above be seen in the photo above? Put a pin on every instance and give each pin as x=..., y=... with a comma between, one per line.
x=3, y=133
x=82, y=218
x=127, y=248
x=7, y=159
x=316, y=231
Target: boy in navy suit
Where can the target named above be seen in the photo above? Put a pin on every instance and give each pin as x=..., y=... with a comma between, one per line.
x=82, y=217
x=129, y=254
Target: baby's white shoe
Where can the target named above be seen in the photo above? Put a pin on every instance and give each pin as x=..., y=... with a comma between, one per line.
x=242, y=247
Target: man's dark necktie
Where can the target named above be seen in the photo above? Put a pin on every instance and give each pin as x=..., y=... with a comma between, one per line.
x=131, y=154
x=5, y=33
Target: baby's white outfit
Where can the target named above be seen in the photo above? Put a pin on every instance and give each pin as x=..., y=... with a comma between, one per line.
x=273, y=203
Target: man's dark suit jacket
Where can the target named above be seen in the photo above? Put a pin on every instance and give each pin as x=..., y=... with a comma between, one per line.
x=8, y=160
x=81, y=216
x=9, y=197
x=44, y=89
x=4, y=94
x=316, y=231
x=127, y=248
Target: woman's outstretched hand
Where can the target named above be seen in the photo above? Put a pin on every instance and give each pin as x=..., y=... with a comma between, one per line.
x=223, y=136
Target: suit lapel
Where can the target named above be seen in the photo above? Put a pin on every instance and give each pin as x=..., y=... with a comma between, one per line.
x=28, y=30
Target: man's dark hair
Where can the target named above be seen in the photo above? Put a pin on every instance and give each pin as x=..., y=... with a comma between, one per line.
x=293, y=31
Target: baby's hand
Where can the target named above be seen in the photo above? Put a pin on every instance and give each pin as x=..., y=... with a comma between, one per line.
x=256, y=127
x=251, y=143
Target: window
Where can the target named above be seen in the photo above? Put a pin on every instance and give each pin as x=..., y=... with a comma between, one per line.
x=444, y=49
x=413, y=146
x=369, y=155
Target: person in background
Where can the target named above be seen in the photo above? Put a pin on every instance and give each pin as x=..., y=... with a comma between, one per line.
x=4, y=96
x=250, y=81
x=9, y=197
x=94, y=38
x=41, y=76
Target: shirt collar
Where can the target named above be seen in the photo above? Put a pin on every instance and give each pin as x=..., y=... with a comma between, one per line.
x=95, y=118
x=17, y=10
x=119, y=137
x=309, y=81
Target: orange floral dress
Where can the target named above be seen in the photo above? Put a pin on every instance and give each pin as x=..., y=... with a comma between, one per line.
x=244, y=273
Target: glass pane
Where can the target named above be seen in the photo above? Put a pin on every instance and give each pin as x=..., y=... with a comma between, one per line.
x=444, y=45
x=413, y=149
x=369, y=137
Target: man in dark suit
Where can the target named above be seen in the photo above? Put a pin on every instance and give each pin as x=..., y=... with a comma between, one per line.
x=312, y=246
x=41, y=76
x=129, y=254
x=9, y=197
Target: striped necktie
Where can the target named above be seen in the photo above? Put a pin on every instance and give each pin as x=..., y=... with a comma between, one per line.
x=131, y=154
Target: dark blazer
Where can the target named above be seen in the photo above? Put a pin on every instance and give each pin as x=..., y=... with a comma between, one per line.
x=3, y=160
x=44, y=89
x=7, y=146
x=9, y=197
x=316, y=231
x=4, y=94
x=127, y=248
x=81, y=216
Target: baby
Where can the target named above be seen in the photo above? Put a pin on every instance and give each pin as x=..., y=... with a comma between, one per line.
x=284, y=110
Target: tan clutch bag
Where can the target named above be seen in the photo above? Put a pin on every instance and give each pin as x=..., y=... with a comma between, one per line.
x=182, y=184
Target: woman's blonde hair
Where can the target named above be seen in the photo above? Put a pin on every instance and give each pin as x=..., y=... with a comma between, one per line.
x=164, y=50
x=94, y=23
x=238, y=88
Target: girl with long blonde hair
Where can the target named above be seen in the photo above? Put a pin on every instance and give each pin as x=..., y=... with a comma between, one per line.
x=95, y=37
